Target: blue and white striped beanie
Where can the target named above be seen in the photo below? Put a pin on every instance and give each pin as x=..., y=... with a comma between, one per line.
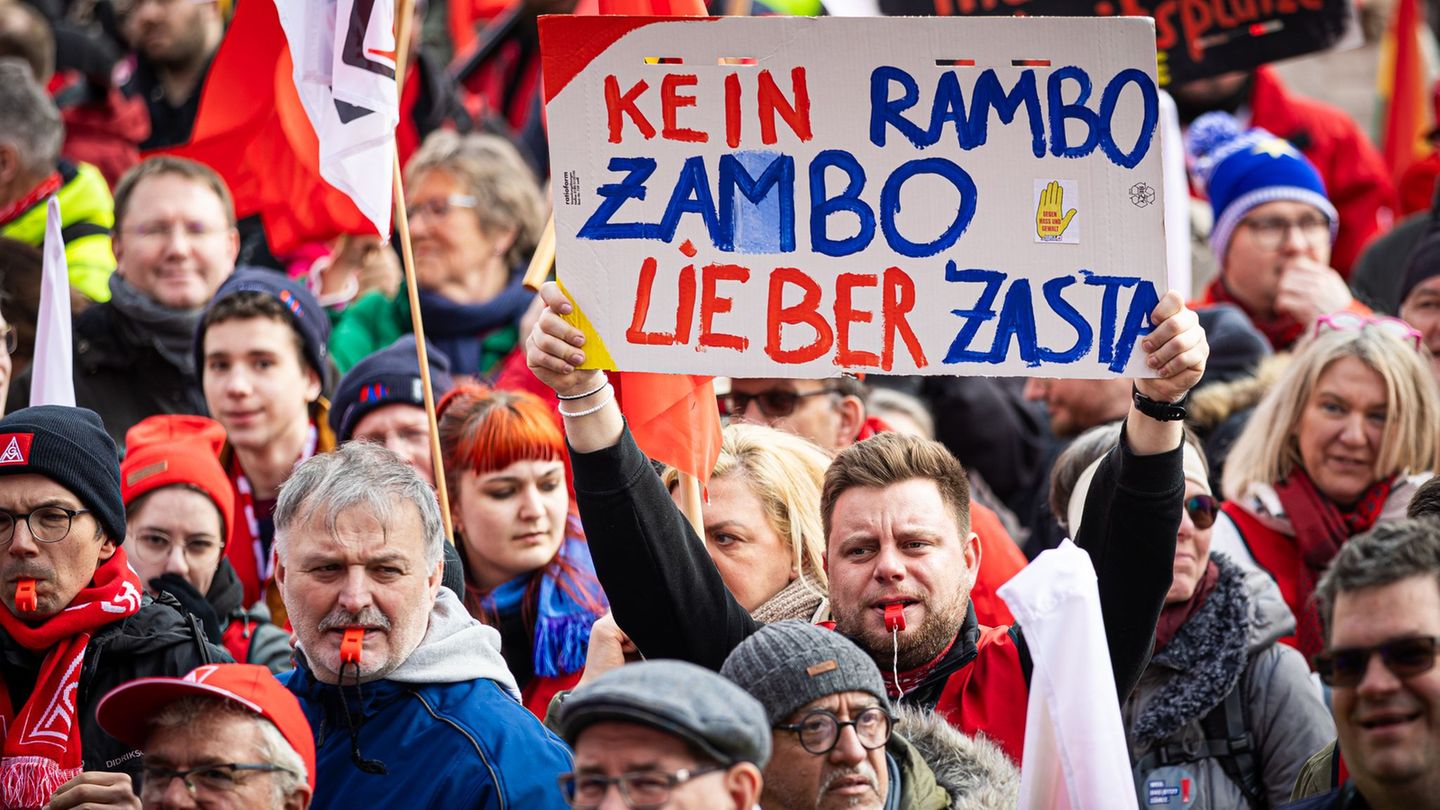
x=1245, y=169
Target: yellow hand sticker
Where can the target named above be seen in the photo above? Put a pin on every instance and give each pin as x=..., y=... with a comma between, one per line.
x=1050, y=222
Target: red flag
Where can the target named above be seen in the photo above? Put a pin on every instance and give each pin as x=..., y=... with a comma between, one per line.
x=1407, y=94
x=252, y=129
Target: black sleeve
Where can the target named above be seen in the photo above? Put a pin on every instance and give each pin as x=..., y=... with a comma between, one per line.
x=665, y=592
x=1132, y=513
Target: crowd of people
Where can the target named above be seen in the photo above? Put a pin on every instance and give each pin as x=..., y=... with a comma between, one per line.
x=226, y=579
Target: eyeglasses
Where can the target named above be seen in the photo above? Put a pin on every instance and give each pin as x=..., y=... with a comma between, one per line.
x=11, y=338
x=48, y=524
x=439, y=207
x=819, y=730
x=158, y=231
x=1270, y=233
x=641, y=790
x=155, y=549
x=775, y=403
x=206, y=778
x=1202, y=509
x=1404, y=657
x=1346, y=321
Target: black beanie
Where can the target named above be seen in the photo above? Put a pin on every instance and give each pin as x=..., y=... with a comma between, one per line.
x=70, y=447
x=390, y=376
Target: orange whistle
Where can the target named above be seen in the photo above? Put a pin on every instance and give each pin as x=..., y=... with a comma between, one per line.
x=25, y=599
x=894, y=616
x=351, y=645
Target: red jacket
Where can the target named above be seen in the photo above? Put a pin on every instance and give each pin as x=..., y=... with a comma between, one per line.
x=991, y=693
x=1355, y=176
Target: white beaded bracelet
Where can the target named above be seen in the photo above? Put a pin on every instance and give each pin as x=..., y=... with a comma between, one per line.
x=588, y=411
x=604, y=381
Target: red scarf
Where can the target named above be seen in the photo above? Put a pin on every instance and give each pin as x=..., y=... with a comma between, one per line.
x=1282, y=331
x=1321, y=528
x=42, y=743
x=48, y=186
x=1173, y=617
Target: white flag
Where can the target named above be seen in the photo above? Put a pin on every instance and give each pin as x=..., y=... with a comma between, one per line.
x=345, y=76
x=52, y=382
x=1075, y=752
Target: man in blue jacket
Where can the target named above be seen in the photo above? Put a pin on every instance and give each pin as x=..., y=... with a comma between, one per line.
x=411, y=703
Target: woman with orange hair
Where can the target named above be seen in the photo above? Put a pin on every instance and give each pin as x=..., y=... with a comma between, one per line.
x=527, y=566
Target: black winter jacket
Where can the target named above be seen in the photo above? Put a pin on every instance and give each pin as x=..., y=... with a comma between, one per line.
x=156, y=641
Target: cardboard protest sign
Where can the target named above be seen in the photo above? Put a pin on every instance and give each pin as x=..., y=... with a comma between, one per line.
x=1195, y=38
x=786, y=197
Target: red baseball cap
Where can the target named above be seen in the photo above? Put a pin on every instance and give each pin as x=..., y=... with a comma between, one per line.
x=126, y=711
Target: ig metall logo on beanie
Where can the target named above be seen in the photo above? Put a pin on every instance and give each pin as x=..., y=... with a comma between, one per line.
x=17, y=448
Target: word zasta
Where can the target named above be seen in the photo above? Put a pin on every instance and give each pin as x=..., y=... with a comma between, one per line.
x=834, y=331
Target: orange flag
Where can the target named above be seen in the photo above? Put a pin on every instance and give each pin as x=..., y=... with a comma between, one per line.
x=1403, y=68
x=253, y=131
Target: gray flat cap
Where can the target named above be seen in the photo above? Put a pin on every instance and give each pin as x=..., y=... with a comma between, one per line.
x=679, y=698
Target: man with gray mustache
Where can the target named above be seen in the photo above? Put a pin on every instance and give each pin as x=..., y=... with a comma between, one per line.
x=837, y=742
x=410, y=700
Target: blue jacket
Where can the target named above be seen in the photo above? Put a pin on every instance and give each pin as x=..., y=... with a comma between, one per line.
x=446, y=742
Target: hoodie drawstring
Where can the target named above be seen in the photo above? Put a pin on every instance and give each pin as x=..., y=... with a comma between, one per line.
x=371, y=766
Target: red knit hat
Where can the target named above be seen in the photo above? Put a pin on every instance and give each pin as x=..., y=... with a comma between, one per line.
x=165, y=450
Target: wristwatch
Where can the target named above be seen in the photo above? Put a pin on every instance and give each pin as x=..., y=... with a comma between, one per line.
x=1159, y=411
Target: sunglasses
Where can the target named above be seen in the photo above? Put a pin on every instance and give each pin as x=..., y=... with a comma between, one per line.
x=1202, y=509
x=1346, y=321
x=1404, y=657
x=775, y=403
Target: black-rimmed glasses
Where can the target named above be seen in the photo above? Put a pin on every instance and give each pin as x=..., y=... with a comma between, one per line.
x=641, y=790
x=48, y=524
x=819, y=730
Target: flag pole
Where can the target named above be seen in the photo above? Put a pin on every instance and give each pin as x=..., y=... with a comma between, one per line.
x=403, y=15
x=542, y=261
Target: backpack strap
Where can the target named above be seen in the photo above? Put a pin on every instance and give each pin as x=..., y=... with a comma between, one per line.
x=1227, y=731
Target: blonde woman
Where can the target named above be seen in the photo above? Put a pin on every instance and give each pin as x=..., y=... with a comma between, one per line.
x=762, y=522
x=1339, y=443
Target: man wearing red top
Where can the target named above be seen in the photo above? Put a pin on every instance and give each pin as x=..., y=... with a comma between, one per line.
x=897, y=519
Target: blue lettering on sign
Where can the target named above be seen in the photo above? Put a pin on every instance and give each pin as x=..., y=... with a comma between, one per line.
x=614, y=195
x=887, y=111
x=767, y=224
x=822, y=206
x=1016, y=323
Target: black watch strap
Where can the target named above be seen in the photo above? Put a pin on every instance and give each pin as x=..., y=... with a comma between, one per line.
x=1159, y=411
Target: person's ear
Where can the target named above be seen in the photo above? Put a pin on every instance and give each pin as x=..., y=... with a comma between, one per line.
x=312, y=382
x=107, y=546
x=743, y=783
x=437, y=576
x=852, y=418
x=972, y=555
x=299, y=798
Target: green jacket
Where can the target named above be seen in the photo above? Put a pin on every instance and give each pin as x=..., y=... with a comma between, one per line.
x=374, y=321
x=87, y=214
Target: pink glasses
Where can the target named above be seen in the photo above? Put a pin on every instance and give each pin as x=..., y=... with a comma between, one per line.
x=1346, y=321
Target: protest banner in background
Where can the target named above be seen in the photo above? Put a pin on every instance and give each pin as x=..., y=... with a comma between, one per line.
x=1195, y=38
x=788, y=197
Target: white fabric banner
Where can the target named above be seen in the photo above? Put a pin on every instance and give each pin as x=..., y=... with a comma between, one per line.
x=53, y=381
x=344, y=67
x=1075, y=752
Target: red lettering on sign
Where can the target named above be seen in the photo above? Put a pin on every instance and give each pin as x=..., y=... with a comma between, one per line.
x=684, y=309
x=771, y=100
x=899, y=300
x=806, y=312
x=846, y=314
x=671, y=101
x=712, y=305
x=616, y=104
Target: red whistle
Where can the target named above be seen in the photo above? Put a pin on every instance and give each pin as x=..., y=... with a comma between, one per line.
x=894, y=616
x=25, y=599
x=351, y=645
